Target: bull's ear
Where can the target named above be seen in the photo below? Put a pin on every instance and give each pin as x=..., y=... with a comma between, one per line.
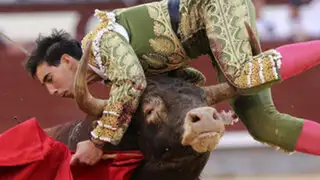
x=86, y=102
x=154, y=110
x=24, y=50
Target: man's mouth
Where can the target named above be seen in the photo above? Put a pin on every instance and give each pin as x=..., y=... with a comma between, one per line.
x=65, y=94
x=69, y=95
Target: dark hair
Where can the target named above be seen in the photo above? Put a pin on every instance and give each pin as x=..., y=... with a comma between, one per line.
x=49, y=49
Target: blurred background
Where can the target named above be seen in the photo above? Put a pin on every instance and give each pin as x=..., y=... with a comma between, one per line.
x=238, y=157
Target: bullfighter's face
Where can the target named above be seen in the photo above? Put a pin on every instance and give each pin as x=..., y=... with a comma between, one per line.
x=58, y=79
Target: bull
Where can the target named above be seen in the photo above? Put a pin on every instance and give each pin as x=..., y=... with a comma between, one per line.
x=173, y=127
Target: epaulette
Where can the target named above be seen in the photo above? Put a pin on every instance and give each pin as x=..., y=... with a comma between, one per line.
x=107, y=22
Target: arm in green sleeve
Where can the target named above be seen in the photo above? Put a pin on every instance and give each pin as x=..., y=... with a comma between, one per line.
x=128, y=83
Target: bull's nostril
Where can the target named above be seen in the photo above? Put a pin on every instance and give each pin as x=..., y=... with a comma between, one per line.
x=194, y=118
x=215, y=116
x=234, y=116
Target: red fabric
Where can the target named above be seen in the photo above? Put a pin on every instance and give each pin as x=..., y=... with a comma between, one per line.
x=299, y=57
x=120, y=168
x=27, y=152
x=308, y=141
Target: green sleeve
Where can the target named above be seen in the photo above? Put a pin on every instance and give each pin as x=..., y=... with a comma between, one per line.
x=123, y=69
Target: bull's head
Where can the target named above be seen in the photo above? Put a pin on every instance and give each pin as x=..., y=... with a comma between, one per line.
x=176, y=114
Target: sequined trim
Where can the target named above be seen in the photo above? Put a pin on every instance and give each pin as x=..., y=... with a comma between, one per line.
x=250, y=74
x=109, y=19
x=261, y=69
x=106, y=126
x=107, y=23
x=109, y=135
x=106, y=139
x=111, y=113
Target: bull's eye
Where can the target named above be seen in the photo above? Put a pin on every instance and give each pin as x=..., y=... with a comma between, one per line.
x=147, y=110
x=195, y=118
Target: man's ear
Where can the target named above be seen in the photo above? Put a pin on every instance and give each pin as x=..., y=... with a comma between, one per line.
x=66, y=60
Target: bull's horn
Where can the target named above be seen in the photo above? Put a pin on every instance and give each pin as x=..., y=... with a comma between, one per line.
x=223, y=91
x=26, y=52
x=86, y=102
x=218, y=93
x=254, y=43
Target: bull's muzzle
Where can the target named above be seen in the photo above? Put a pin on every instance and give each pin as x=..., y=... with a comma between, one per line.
x=203, y=128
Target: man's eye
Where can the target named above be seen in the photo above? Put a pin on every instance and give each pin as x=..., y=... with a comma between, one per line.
x=49, y=80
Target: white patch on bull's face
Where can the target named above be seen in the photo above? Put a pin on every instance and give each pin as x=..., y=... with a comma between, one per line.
x=206, y=142
x=203, y=128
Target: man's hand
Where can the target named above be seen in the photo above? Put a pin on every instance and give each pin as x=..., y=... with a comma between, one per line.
x=86, y=153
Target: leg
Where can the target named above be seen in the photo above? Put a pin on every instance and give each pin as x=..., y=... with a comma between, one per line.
x=190, y=75
x=298, y=57
x=267, y=125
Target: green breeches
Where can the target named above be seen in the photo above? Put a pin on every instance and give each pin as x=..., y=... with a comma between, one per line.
x=265, y=123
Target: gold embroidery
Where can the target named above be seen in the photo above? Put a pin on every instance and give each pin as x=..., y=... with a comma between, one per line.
x=268, y=75
x=112, y=119
x=191, y=18
x=242, y=81
x=102, y=133
x=109, y=135
x=118, y=134
x=166, y=45
x=166, y=48
x=259, y=73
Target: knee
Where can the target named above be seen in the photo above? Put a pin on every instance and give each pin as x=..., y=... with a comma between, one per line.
x=265, y=123
x=262, y=125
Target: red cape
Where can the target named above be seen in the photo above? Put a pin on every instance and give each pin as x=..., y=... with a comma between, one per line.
x=28, y=153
